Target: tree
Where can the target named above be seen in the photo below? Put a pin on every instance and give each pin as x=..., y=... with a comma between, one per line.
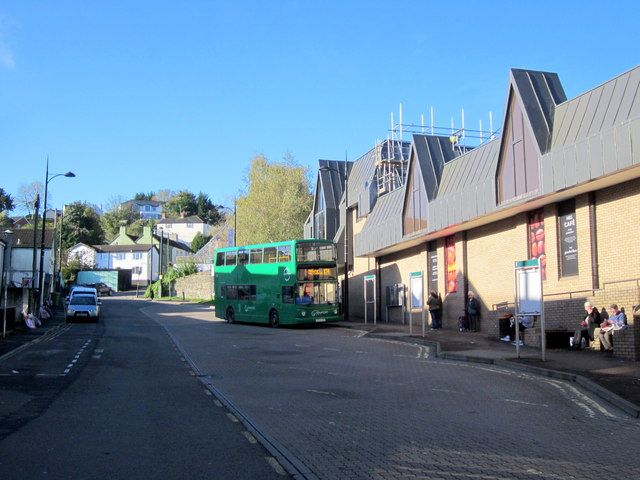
x=81, y=224
x=206, y=209
x=276, y=204
x=144, y=196
x=184, y=203
x=199, y=241
x=6, y=205
x=27, y=195
x=117, y=217
x=164, y=195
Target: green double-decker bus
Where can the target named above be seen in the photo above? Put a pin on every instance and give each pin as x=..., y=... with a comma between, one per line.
x=288, y=283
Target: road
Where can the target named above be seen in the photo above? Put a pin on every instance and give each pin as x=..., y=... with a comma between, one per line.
x=327, y=402
x=116, y=400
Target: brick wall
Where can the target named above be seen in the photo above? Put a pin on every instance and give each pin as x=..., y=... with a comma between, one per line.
x=198, y=285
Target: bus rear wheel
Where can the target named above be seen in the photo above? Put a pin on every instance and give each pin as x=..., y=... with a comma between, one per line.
x=274, y=319
x=230, y=315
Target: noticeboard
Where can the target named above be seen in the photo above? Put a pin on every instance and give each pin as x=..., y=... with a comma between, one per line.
x=528, y=287
x=416, y=289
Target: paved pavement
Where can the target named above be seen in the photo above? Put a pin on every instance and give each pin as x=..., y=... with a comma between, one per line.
x=339, y=403
x=616, y=380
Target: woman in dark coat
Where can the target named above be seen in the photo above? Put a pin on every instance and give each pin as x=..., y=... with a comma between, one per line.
x=435, y=309
x=587, y=327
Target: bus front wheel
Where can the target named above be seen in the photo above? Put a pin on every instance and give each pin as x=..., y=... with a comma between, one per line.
x=274, y=319
x=230, y=315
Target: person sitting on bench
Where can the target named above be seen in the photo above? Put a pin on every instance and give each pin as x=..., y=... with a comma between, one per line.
x=587, y=328
x=617, y=321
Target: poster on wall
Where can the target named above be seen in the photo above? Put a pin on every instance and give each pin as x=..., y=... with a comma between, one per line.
x=537, y=247
x=450, y=260
x=568, y=239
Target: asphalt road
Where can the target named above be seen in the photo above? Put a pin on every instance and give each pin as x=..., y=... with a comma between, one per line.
x=341, y=405
x=117, y=400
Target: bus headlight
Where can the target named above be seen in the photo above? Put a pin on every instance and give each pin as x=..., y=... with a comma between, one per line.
x=303, y=313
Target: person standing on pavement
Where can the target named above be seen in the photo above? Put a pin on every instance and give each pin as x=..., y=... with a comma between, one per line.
x=584, y=334
x=617, y=321
x=435, y=310
x=473, y=311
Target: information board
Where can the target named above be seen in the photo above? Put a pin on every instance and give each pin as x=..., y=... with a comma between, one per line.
x=416, y=287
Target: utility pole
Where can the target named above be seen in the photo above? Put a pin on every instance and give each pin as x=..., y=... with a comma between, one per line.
x=32, y=293
x=8, y=237
x=345, y=300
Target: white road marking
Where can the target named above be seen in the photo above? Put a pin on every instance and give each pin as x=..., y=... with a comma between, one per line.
x=97, y=357
x=249, y=437
x=321, y=392
x=526, y=403
x=217, y=403
x=70, y=365
x=207, y=392
x=275, y=465
x=331, y=349
x=99, y=350
x=360, y=351
x=67, y=371
x=232, y=417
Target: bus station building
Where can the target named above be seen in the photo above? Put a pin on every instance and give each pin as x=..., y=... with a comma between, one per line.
x=561, y=183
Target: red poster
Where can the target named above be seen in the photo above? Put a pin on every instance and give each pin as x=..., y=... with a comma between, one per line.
x=537, y=247
x=450, y=260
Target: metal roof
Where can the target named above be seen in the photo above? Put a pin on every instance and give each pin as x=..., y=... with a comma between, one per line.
x=432, y=152
x=331, y=180
x=595, y=134
x=539, y=93
x=362, y=172
x=384, y=224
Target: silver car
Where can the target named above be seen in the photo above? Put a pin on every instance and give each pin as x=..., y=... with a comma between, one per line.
x=83, y=306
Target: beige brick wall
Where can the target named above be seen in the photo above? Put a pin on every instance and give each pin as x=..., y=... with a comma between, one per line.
x=198, y=285
x=618, y=222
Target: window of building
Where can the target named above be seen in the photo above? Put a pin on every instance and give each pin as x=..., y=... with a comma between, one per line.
x=536, y=240
x=567, y=238
x=189, y=225
x=136, y=270
x=518, y=171
x=319, y=230
x=451, y=280
x=137, y=255
x=120, y=256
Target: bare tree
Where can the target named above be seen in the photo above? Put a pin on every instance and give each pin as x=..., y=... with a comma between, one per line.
x=164, y=195
x=26, y=196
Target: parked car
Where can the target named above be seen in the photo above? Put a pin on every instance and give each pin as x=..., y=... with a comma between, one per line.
x=103, y=289
x=81, y=289
x=83, y=306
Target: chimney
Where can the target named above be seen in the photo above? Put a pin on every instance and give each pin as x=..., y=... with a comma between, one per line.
x=123, y=230
x=182, y=214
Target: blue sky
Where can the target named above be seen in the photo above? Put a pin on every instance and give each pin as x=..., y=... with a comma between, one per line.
x=148, y=95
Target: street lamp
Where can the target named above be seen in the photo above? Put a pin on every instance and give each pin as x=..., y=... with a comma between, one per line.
x=345, y=293
x=235, y=220
x=6, y=265
x=44, y=222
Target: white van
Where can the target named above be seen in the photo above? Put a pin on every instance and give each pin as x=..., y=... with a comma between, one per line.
x=82, y=290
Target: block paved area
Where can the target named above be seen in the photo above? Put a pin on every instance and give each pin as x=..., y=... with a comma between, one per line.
x=349, y=406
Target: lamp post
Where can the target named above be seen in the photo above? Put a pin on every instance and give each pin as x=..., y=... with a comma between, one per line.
x=235, y=221
x=6, y=274
x=44, y=220
x=345, y=293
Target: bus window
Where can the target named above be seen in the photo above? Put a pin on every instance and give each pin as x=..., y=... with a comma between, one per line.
x=317, y=293
x=256, y=256
x=246, y=292
x=243, y=258
x=232, y=292
x=223, y=291
x=284, y=253
x=219, y=258
x=270, y=255
x=230, y=258
x=315, y=252
x=288, y=292
x=317, y=273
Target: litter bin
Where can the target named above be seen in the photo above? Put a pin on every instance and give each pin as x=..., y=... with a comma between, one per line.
x=56, y=299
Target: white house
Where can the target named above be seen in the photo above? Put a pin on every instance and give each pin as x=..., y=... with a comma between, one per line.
x=83, y=253
x=148, y=209
x=184, y=228
x=142, y=260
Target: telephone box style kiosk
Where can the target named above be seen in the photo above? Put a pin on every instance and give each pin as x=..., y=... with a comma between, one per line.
x=529, y=298
x=370, y=300
x=416, y=298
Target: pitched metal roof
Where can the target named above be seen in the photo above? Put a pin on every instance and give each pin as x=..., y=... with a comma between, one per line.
x=384, y=224
x=432, y=152
x=539, y=92
x=362, y=172
x=467, y=188
x=23, y=238
x=331, y=175
x=595, y=134
x=122, y=248
x=190, y=219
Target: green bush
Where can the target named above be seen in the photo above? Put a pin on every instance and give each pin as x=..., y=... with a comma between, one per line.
x=169, y=277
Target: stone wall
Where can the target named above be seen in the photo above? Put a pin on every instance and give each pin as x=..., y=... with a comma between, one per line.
x=198, y=285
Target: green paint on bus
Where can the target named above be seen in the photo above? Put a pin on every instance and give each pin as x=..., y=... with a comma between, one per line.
x=283, y=283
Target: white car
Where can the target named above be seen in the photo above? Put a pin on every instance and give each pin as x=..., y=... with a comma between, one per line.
x=83, y=306
x=81, y=290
